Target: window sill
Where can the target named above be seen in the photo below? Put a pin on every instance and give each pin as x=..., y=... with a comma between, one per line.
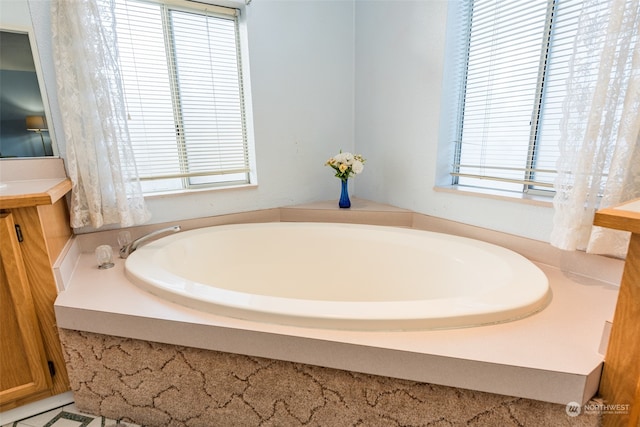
x=185, y=192
x=531, y=199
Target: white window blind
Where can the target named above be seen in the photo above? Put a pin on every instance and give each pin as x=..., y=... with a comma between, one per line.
x=181, y=72
x=514, y=76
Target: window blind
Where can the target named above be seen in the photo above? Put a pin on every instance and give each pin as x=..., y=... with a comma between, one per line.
x=562, y=46
x=181, y=73
x=514, y=86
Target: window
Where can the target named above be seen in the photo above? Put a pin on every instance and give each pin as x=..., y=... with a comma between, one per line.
x=182, y=77
x=514, y=69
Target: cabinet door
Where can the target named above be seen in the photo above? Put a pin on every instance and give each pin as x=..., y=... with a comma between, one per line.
x=23, y=367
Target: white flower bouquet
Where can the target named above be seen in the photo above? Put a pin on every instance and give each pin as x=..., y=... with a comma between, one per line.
x=346, y=164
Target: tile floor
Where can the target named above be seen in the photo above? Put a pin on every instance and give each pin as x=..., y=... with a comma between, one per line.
x=67, y=416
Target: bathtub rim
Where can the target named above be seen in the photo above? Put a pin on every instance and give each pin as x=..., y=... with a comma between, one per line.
x=529, y=296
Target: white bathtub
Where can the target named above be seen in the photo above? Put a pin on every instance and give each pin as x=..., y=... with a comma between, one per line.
x=340, y=276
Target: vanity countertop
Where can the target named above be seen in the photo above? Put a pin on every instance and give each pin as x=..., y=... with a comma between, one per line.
x=625, y=216
x=32, y=192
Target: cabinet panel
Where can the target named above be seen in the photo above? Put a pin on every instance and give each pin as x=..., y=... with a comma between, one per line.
x=37, y=262
x=23, y=365
x=55, y=225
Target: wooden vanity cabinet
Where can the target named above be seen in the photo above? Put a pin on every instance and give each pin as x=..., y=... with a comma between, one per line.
x=620, y=384
x=23, y=363
x=34, y=230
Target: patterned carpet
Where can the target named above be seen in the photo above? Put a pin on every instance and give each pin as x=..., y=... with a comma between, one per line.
x=155, y=384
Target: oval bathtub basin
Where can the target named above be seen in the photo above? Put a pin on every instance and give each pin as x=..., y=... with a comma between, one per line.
x=340, y=276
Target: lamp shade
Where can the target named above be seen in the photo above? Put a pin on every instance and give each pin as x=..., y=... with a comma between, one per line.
x=36, y=123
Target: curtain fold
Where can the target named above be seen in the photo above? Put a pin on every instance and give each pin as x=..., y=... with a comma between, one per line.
x=599, y=163
x=100, y=161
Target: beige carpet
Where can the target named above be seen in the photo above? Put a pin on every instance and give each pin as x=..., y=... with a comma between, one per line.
x=164, y=385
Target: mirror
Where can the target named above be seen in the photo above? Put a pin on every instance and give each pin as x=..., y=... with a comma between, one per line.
x=23, y=124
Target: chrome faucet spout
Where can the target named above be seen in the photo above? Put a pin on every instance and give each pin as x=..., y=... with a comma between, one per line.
x=127, y=249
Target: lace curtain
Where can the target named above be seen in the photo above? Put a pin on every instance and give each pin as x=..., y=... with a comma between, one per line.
x=100, y=159
x=599, y=162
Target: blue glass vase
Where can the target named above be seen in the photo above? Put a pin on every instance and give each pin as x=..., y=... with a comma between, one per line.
x=344, y=201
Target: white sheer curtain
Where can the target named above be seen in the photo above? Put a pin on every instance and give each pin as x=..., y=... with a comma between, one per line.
x=100, y=159
x=599, y=162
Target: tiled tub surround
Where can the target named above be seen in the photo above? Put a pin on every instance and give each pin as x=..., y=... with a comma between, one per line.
x=551, y=356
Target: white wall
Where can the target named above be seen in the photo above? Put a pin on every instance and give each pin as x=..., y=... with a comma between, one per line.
x=14, y=15
x=399, y=98
x=362, y=75
x=399, y=59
